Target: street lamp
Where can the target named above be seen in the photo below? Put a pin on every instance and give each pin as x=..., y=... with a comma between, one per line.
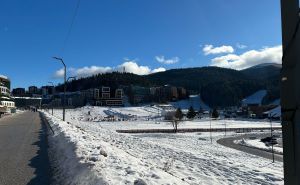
x=271, y=116
x=65, y=87
x=52, y=97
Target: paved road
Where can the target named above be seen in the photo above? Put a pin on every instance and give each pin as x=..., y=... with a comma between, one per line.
x=23, y=150
x=228, y=142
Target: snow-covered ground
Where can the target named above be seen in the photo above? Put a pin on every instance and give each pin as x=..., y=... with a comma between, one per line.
x=88, y=149
x=255, y=98
x=147, y=117
x=256, y=143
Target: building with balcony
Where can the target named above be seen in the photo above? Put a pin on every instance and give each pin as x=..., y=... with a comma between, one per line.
x=6, y=102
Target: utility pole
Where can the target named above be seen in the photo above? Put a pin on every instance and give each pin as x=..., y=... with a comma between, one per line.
x=65, y=85
x=290, y=91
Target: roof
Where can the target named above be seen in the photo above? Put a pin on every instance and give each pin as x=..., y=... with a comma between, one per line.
x=5, y=77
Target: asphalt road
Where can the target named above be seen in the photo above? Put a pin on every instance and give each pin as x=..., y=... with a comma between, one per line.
x=24, y=150
x=228, y=142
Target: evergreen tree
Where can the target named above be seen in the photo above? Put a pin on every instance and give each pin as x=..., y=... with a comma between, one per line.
x=215, y=113
x=178, y=114
x=191, y=113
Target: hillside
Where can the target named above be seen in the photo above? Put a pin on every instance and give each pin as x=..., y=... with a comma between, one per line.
x=218, y=86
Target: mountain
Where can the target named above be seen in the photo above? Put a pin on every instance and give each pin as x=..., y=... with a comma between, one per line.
x=219, y=87
x=269, y=74
x=263, y=71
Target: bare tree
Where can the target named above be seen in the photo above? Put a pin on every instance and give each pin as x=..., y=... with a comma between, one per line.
x=174, y=117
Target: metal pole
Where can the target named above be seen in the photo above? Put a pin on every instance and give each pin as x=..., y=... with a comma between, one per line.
x=225, y=125
x=65, y=89
x=65, y=85
x=273, y=157
x=290, y=91
x=210, y=127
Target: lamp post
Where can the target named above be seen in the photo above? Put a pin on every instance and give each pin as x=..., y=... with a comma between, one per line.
x=52, y=93
x=65, y=87
x=272, y=144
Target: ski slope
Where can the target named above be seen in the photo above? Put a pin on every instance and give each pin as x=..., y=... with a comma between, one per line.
x=255, y=98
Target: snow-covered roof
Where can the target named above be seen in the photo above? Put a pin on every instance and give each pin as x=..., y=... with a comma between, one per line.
x=255, y=98
x=5, y=77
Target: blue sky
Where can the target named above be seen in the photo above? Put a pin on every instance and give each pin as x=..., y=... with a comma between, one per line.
x=155, y=34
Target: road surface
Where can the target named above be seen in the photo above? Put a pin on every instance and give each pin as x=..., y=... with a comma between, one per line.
x=24, y=150
x=228, y=142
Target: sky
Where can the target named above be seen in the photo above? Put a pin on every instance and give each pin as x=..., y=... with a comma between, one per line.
x=137, y=36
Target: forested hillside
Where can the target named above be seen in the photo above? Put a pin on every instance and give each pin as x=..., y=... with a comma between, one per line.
x=218, y=86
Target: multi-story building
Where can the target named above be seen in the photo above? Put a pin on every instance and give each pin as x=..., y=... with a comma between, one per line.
x=182, y=94
x=138, y=94
x=19, y=92
x=33, y=90
x=25, y=102
x=103, y=96
x=6, y=103
x=47, y=90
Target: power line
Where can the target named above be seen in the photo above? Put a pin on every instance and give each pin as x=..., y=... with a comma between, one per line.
x=70, y=28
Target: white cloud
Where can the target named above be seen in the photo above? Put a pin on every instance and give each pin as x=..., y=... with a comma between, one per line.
x=210, y=49
x=128, y=66
x=59, y=73
x=241, y=46
x=133, y=67
x=162, y=59
x=249, y=58
x=160, y=69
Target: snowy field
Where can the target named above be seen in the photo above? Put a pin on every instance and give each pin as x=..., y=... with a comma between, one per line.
x=147, y=117
x=89, y=151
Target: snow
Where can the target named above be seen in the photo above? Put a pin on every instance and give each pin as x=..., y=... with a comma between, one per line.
x=276, y=102
x=5, y=77
x=194, y=100
x=256, y=143
x=89, y=151
x=255, y=98
x=276, y=111
x=147, y=117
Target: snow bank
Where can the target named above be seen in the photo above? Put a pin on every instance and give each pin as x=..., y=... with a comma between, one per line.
x=182, y=158
x=69, y=167
x=256, y=143
x=95, y=157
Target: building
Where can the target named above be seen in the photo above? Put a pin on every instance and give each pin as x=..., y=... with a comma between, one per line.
x=103, y=96
x=167, y=93
x=182, y=94
x=19, y=92
x=33, y=90
x=6, y=103
x=73, y=99
x=109, y=97
x=26, y=102
x=138, y=94
x=47, y=90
